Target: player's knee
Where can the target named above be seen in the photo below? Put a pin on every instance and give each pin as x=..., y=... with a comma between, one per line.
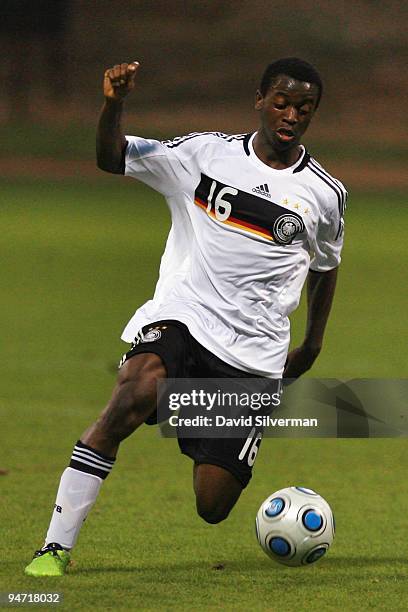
x=212, y=513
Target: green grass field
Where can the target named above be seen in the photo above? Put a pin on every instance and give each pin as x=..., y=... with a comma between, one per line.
x=77, y=259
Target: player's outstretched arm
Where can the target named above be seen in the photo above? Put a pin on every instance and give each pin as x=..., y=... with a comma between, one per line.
x=110, y=140
x=320, y=292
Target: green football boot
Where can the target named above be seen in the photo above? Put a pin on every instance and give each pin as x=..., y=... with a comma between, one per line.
x=49, y=561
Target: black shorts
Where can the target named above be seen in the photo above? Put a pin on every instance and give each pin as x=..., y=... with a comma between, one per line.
x=184, y=357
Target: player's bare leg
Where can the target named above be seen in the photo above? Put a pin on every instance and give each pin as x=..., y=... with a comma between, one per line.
x=132, y=402
x=216, y=490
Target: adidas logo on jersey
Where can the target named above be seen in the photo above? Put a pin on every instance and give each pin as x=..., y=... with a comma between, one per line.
x=262, y=190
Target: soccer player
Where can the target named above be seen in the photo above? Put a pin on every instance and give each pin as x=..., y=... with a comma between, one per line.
x=253, y=216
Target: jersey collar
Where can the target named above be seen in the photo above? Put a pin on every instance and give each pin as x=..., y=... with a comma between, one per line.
x=298, y=166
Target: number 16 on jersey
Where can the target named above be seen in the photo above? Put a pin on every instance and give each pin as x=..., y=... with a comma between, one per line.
x=222, y=208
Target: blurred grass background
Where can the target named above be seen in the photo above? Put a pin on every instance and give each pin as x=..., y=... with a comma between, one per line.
x=202, y=61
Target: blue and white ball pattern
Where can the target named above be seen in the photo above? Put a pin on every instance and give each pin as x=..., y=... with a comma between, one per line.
x=295, y=526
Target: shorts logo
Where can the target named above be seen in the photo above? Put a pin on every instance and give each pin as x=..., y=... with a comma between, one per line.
x=151, y=336
x=286, y=227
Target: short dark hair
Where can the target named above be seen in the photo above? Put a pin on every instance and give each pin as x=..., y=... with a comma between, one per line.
x=295, y=68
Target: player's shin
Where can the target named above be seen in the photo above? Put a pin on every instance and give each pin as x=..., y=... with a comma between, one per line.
x=77, y=493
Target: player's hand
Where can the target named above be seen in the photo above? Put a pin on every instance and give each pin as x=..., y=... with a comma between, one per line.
x=299, y=361
x=119, y=80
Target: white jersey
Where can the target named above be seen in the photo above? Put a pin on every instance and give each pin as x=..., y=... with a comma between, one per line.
x=242, y=240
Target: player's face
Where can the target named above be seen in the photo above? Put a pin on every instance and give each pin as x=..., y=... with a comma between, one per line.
x=286, y=111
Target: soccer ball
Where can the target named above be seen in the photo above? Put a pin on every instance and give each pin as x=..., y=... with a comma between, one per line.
x=295, y=526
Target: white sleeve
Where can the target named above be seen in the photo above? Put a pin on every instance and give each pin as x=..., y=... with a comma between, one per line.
x=155, y=164
x=329, y=238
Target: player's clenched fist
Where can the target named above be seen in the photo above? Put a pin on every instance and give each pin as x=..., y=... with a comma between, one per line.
x=119, y=80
